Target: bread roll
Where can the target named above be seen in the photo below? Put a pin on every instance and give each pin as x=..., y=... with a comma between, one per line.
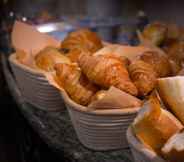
x=171, y=90
x=173, y=150
x=154, y=126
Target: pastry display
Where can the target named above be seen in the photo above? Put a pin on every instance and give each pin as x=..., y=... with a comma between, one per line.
x=119, y=80
x=133, y=70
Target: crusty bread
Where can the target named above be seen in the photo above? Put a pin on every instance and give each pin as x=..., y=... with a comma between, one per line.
x=154, y=126
x=171, y=90
x=173, y=149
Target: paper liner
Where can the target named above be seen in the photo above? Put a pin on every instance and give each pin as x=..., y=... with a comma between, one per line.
x=116, y=99
x=140, y=152
x=26, y=37
x=131, y=52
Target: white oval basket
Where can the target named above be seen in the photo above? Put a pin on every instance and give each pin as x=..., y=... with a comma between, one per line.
x=35, y=88
x=100, y=130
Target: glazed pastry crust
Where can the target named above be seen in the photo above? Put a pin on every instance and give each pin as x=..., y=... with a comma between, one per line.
x=75, y=83
x=81, y=41
x=106, y=71
x=145, y=70
x=143, y=76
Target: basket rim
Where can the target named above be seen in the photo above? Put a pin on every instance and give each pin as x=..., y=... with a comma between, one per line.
x=139, y=147
x=116, y=112
x=12, y=59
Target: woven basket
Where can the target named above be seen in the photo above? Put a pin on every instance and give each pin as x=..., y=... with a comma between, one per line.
x=100, y=130
x=139, y=151
x=34, y=87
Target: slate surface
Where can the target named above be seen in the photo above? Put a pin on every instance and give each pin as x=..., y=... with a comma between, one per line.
x=56, y=130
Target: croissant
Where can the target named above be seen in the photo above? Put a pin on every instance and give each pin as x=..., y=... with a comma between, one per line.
x=159, y=62
x=48, y=57
x=143, y=76
x=106, y=71
x=147, y=68
x=79, y=41
x=76, y=85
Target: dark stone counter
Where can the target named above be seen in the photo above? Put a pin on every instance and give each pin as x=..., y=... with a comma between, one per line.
x=56, y=130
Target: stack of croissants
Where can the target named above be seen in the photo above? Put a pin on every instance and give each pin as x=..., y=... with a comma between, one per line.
x=86, y=76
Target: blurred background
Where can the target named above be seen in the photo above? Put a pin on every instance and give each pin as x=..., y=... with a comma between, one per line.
x=114, y=20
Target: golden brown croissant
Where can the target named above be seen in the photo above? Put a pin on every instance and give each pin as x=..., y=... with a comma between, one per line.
x=48, y=57
x=159, y=62
x=106, y=71
x=80, y=41
x=143, y=76
x=147, y=68
x=76, y=85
